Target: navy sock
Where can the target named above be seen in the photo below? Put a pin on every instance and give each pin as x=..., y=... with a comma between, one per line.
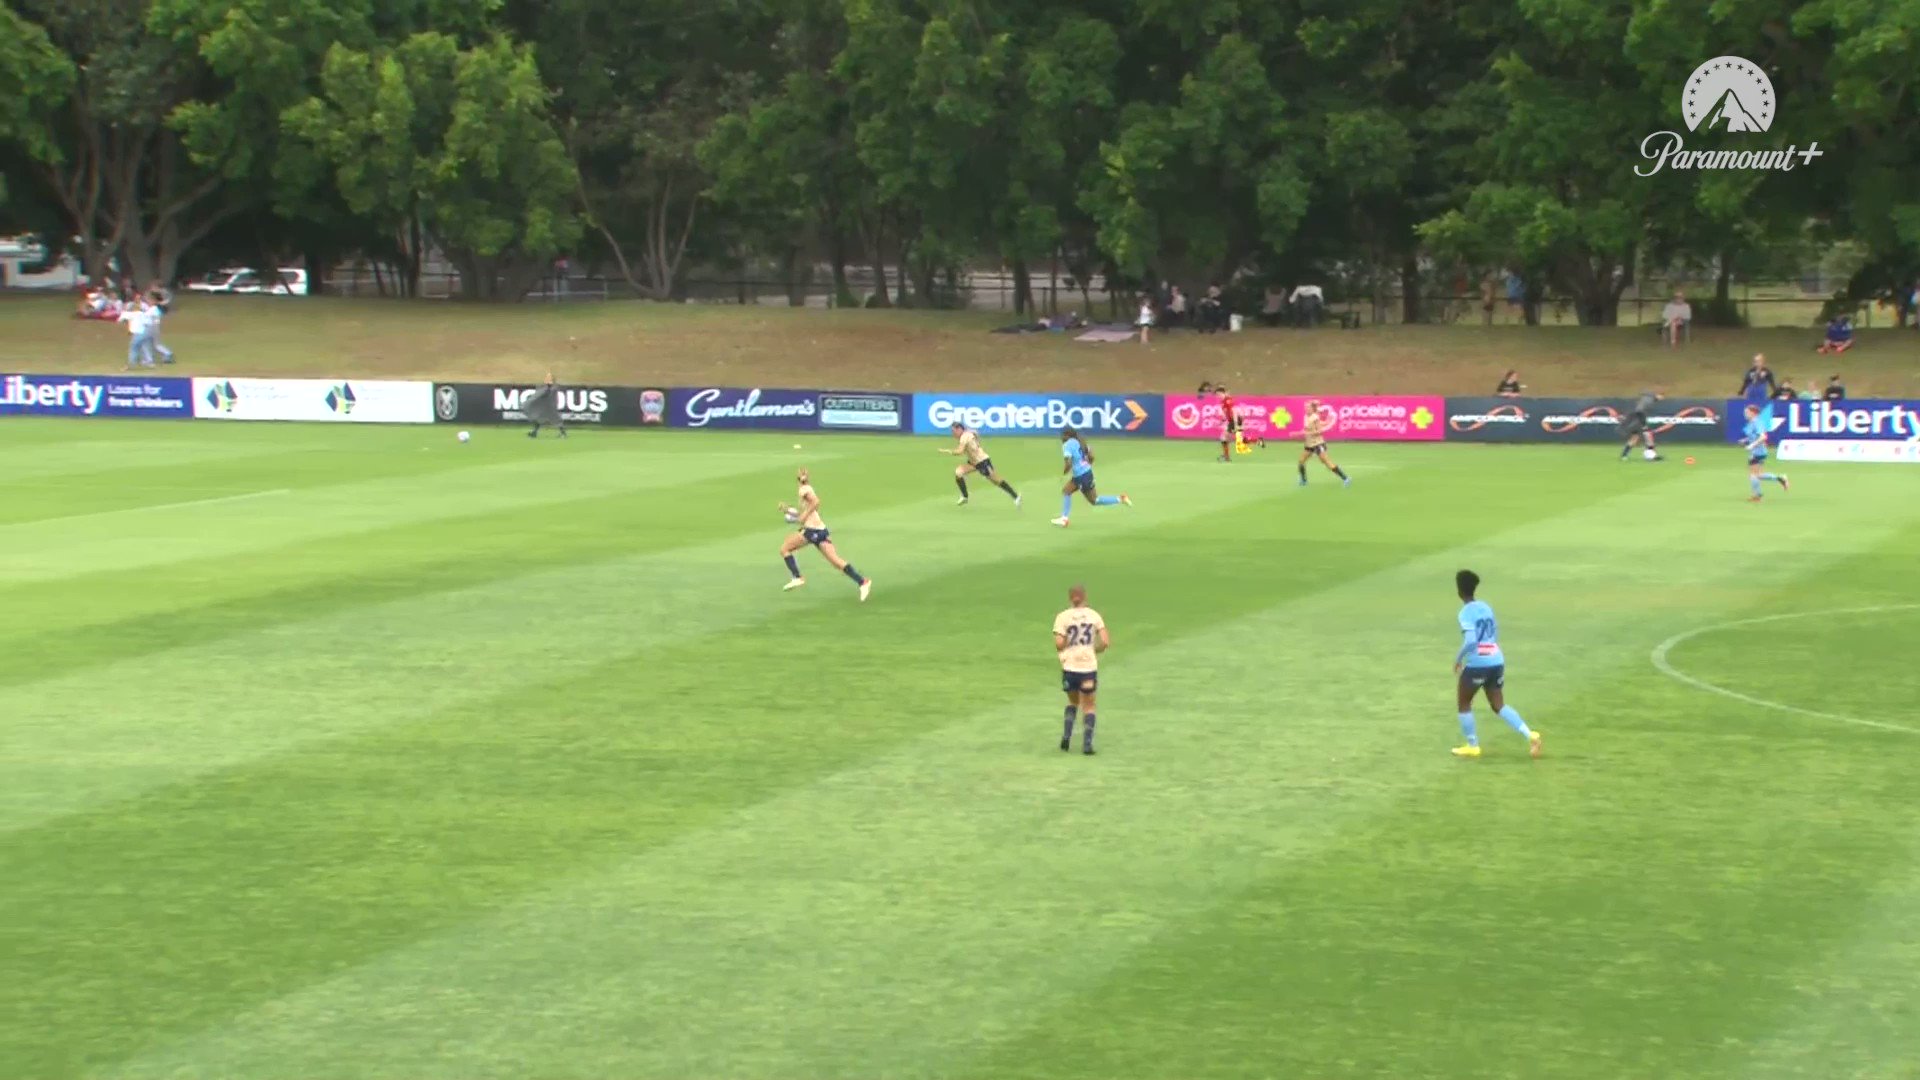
x=1303, y=473
x=1008, y=488
x=1339, y=472
x=1088, y=737
x=1071, y=713
x=1625, y=450
x=854, y=574
x=962, y=481
x=793, y=566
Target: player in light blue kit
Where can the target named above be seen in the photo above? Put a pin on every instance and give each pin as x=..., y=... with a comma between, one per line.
x=1079, y=472
x=1755, y=439
x=1481, y=666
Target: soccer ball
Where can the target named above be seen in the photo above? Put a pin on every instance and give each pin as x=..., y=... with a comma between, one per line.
x=792, y=516
x=466, y=436
x=1648, y=454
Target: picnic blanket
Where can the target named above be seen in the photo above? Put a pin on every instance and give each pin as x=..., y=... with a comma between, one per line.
x=1109, y=332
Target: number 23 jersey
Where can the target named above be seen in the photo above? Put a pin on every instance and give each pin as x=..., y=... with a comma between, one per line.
x=1080, y=628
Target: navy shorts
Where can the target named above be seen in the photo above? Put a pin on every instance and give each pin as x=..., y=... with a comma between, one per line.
x=1084, y=482
x=816, y=537
x=1084, y=682
x=984, y=467
x=1756, y=459
x=1484, y=678
x=1317, y=449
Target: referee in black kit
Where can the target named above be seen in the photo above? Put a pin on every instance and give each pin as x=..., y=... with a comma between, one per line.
x=1634, y=425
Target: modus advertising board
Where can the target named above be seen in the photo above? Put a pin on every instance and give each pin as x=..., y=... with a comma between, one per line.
x=505, y=403
x=336, y=401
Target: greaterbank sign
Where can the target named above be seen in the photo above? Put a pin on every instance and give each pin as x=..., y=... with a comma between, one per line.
x=1038, y=414
x=1890, y=421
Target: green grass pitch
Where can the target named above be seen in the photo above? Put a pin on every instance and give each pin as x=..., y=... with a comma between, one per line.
x=357, y=753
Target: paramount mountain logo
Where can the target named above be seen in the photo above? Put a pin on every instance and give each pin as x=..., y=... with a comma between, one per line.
x=1728, y=94
x=1719, y=93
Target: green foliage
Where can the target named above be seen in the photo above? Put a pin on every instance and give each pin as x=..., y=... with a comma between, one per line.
x=459, y=137
x=1186, y=140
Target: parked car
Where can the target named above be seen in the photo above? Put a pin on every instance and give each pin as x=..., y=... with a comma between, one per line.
x=219, y=280
x=24, y=265
x=287, y=281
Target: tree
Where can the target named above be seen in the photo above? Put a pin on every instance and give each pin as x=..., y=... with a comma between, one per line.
x=458, y=139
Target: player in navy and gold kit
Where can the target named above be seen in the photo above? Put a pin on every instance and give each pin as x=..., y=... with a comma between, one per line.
x=1079, y=637
x=813, y=531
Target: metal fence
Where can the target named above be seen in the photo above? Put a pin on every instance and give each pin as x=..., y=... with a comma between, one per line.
x=1799, y=303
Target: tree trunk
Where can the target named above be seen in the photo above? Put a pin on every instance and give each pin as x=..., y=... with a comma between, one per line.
x=1532, y=295
x=795, y=275
x=881, y=296
x=1410, y=305
x=1022, y=287
x=1053, y=284
x=837, y=256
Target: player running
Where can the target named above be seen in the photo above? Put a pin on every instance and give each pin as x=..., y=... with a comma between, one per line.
x=814, y=531
x=1755, y=439
x=1313, y=444
x=1079, y=473
x=1634, y=425
x=977, y=462
x=1481, y=667
x=1079, y=637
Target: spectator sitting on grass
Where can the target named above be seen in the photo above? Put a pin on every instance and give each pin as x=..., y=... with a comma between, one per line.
x=1274, y=306
x=1213, y=313
x=1835, y=391
x=1675, y=318
x=1839, y=336
x=1307, y=301
x=1510, y=385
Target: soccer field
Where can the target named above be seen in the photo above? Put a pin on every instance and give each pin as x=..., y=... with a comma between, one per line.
x=342, y=752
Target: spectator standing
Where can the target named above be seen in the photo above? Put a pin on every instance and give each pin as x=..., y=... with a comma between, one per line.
x=1510, y=385
x=1676, y=319
x=1839, y=336
x=139, y=345
x=1836, y=390
x=1757, y=384
x=158, y=304
x=1516, y=295
x=1145, y=319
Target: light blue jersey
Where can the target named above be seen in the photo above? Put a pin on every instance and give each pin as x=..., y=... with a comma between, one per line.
x=1077, y=455
x=1480, y=637
x=1755, y=437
